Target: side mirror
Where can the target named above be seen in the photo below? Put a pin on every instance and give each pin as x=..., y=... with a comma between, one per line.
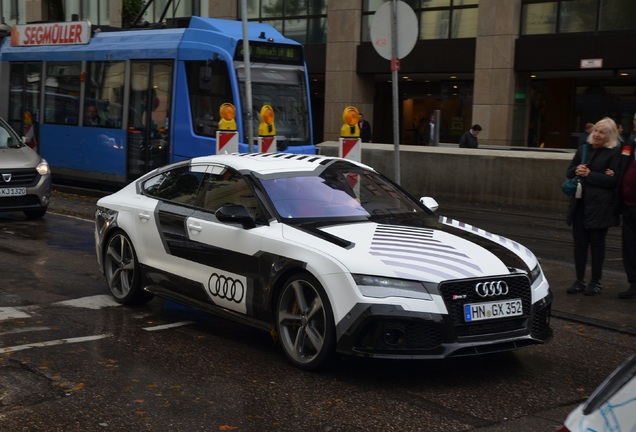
x=232, y=213
x=430, y=203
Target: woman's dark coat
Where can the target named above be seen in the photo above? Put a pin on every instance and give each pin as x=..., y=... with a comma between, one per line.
x=599, y=189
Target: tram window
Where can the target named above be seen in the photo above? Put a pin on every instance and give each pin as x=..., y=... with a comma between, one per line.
x=104, y=91
x=209, y=88
x=61, y=101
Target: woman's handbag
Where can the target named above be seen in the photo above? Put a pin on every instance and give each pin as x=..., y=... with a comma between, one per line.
x=569, y=186
x=572, y=187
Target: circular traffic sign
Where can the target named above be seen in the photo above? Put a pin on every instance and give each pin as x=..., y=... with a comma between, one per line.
x=406, y=32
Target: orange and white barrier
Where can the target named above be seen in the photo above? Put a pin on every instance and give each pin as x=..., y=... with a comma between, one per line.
x=267, y=144
x=227, y=142
x=350, y=148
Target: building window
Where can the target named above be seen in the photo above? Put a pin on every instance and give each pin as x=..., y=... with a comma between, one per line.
x=304, y=21
x=438, y=19
x=13, y=12
x=96, y=12
x=617, y=15
x=176, y=9
x=574, y=16
x=577, y=16
x=539, y=18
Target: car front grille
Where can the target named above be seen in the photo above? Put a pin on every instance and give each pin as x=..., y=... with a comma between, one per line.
x=19, y=177
x=458, y=293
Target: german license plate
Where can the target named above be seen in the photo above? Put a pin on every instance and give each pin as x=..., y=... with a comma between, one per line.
x=16, y=191
x=491, y=310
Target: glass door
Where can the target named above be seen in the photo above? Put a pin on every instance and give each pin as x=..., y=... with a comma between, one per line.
x=149, y=116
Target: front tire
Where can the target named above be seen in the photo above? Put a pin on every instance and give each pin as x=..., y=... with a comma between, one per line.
x=122, y=272
x=305, y=323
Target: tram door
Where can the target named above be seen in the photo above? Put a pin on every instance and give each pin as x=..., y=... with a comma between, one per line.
x=24, y=101
x=149, y=116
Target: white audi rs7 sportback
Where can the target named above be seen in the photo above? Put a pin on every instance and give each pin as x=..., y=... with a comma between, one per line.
x=327, y=254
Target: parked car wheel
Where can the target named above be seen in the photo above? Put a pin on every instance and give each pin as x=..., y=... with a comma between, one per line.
x=305, y=323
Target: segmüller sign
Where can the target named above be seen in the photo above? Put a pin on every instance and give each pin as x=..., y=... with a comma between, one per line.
x=61, y=33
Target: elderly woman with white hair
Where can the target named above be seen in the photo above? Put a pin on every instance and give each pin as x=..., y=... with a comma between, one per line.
x=593, y=210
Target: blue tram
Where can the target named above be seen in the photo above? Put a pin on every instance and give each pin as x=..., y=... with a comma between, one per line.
x=108, y=107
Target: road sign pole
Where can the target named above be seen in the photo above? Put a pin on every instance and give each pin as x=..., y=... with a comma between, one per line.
x=393, y=43
x=248, y=80
x=395, y=66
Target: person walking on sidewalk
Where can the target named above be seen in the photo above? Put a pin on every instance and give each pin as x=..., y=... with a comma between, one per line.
x=628, y=210
x=593, y=209
x=469, y=139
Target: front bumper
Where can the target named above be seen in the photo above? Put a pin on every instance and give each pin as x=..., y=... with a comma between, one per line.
x=390, y=331
x=38, y=191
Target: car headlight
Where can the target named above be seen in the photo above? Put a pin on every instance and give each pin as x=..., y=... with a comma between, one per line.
x=43, y=168
x=382, y=287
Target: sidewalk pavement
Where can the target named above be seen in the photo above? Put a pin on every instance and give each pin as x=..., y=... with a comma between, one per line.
x=605, y=310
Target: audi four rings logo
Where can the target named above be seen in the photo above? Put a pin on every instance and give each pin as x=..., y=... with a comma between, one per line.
x=226, y=288
x=491, y=289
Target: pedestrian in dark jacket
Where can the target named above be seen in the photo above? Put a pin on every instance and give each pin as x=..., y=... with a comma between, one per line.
x=627, y=202
x=593, y=209
x=469, y=139
x=365, y=129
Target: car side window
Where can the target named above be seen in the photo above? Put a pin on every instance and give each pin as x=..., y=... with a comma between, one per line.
x=222, y=186
x=179, y=185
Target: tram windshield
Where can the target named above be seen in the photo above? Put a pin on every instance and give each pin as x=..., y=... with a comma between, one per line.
x=284, y=88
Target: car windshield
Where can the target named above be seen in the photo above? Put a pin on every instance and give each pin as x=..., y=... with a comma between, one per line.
x=8, y=140
x=341, y=190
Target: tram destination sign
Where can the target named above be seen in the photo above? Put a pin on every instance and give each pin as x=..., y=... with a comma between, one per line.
x=268, y=52
x=60, y=33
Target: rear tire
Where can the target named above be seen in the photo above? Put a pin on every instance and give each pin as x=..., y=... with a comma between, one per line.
x=305, y=323
x=122, y=271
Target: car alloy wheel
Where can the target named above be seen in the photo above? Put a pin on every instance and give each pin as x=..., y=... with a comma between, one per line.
x=305, y=323
x=122, y=271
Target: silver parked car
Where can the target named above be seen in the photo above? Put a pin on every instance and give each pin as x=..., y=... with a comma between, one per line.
x=25, y=178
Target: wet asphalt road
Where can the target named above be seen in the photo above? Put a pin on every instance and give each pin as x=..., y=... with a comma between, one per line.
x=89, y=365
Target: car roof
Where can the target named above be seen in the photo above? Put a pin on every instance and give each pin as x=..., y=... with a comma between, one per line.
x=266, y=163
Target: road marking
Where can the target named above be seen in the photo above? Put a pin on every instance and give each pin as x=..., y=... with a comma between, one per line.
x=92, y=302
x=167, y=326
x=12, y=313
x=24, y=330
x=53, y=343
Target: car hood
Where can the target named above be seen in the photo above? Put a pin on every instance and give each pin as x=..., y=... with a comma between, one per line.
x=15, y=158
x=445, y=249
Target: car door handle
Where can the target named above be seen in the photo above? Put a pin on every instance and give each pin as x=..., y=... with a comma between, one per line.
x=144, y=217
x=195, y=227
